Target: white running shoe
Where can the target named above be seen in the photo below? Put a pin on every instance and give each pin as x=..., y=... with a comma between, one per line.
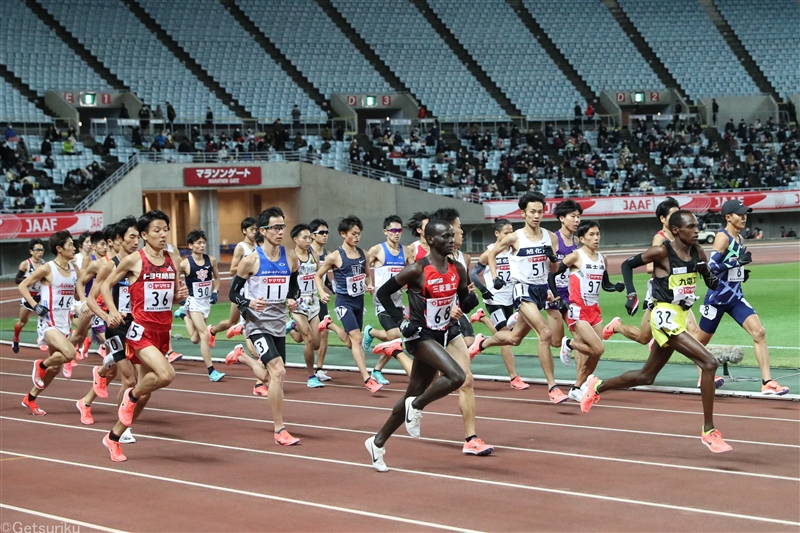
x=127, y=437
x=566, y=351
x=576, y=394
x=413, y=417
x=512, y=321
x=322, y=376
x=376, y=454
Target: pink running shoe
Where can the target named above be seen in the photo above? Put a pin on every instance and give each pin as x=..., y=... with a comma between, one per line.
x=475, y=349
x=233, y=331
x=173, y=356
x=38, y=374
x=477, y=316
x=608, y=330
x=283, y=438
x=66, y=368
x=234, y=355
x=35, y=410
x=388, y=348
x=323, y=326
x=86, y=413
x=518, y=384
x=557, y=396
x=477, y=447
x=212, y=340
x=99, y=383
x=590, y=397
x=713, y=439
x=372, y=385
x=125, y=410
x=115, y=449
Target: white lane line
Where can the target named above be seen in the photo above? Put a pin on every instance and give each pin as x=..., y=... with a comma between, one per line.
x=436, y=413
x=460, y=479
x=238, y=492
x=57, y=518
x=445, y=441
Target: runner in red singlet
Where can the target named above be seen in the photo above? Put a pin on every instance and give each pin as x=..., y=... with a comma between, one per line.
x=153, y=277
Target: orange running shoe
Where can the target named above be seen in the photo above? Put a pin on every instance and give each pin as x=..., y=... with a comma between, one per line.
x=173, y=356
x=475, y=348
x=713, y=439
x=33, y=407
x=43, y=347
x=608, y=330
x=477, y=316
x=518, y=384
x=66, y=368
x=99, y=383
x=86, y=412
x=477, y=447
x=323, y=325
x=234, y=355
x=372, y=385
x=772, y=387
x=260, y=389
x=718, y=382
x=557, y=395
x=38, y=374
x=212, y=340
x=235, y=330
x=591, y=396
x=114, y=448
x=101, y=351
x=283, y=438
x=125, y=410
x=388, y=348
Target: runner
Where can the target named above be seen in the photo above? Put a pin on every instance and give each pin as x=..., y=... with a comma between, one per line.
x=531, y=260
x=432, y=336
x=352, y=279
x=84, y=249
x=202, y=280
x=319, y=230
x=271, y=278
x=676, y=266
x=587, y=275
x=83, y=317
x=499, y=303
x=387, y=259
x=153, y=286
x=56, y=281
x=26, y=268
x=416, y=224
x=728, y=261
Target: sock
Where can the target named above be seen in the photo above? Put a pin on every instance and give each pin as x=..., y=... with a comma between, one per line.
x=259, y=384
x=17, y=331
x=707, y=432
x=575, y=388
x=765, y=381
x=210, y=370
x=569, y=343
x=41, y=365
x=480, y=345
x=470, y=438
x=113, y=436
x=395, y=353
x=87, y=404
x=367, y=380
x=551, y=388
x=31, y=397
x=132, y=398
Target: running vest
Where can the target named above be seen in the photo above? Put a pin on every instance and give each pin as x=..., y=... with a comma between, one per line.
x=57, y=298
x=199, y=279
x=529, y=264
x=419, y=251
x=730, y=280
x=504, y=296
x=306, y=274
x=585, y=283
x=564, y=249
x=433, y=304
x=36, y=287
x=152, y=293
x=121, y=292
x=392, y=265
x=271, y=284
x=679, y=287
x=351, y=278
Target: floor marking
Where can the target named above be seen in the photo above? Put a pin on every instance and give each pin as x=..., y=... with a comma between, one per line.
x=52, y=516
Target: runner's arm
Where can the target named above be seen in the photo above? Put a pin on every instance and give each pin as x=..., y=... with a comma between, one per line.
x=609, y=287
x=721, y=257
x=36, y=276
x=467, y=301
x=475, y=276
x=23, y=269
x=217, y=281
x=91, y=300
x=506, y=243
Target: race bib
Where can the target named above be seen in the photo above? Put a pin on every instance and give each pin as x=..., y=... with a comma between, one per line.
x=262, y=346
x=201, y=289
x=158, y=296
x=519, y=291
x=498, y=317
x=356, y=285
x=708, y=311
x=97, y=322
x=574, y=312
x=115, y=345
x=437, y=312
x=665, y=319
x=307, y=284
x=135, y=332
x=62, y=303
x=736, y=274
x=277, y=289
x=124, y=300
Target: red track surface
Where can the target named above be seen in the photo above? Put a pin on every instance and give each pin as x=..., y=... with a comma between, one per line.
x=206, y=461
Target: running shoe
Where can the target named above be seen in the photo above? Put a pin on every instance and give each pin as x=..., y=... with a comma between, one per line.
x=324, y=324
x=376, y=454
x=85, y=411
x=125, y=411
x=127, y=437
x=35, y=410
x=212, y=339
x=173, y=356
x=180, y=313
x=290, y=326
x=518, y=384
x=713, y=439
x=608, y=330
x=366, y=342
x=234, y=331
x=477, y=447
x=108, y=361
x=413, y=417
x=512, y=320
x=590, y=395
x=216, y=375
x=773, y=388
x=718, y=382
x=322, y=375
x=15, y=346
x=388, y=348
x=43, y=347
x=477, y=316
x=650, y=345
x=87, y=344
x=314, y=383
x=260, y=389
x=557, y=396
x=475, y=348
x=575, y=394
x=38, y=374
x=283, y=438
x=114, y=449
x=66, y=368
x=566, y=351
x=99, y=383
x=102, y=351
x=377, y=375
x=372, y=385
x=234, y=355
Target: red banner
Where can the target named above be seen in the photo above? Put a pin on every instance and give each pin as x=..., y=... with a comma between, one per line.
x=43, y=225
x=221, y=176
x=639, y=206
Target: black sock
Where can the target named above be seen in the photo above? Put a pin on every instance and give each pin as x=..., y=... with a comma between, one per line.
x=132, y=397
x=480, y=345
x=764, y=382
x=87, y=404
x=41, y=365
x=395, y=353
x=551, y=388
x=569, y=343
x=470, y=438
x=259, y=384
x=113, y=436
x=210, y=370
x=31, y=397
x=574, y=387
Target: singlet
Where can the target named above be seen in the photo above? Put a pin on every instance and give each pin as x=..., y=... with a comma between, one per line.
x=679, y=287
x=432, y=305
x=322, y=257
x=271, y=284
x=528, y=263
x=351, y=278
x=36, y=287
x=504, y=296
x=199, y=281
x=459, y=256
x=121, y=293
x=392, y=265
x=730, y=280
x=152, y=293
x=664, y=236
x=57, y=297
x=585, y=283
x=564, y=249
x=306, y=274
x=419, y=251
x=247, y=248
x=88, y=286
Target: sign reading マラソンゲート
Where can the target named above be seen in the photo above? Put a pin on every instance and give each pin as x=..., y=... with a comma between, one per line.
x=221, y=176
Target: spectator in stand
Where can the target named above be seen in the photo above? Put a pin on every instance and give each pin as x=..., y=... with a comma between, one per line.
x=589, y=111
x=161, y=140
x=398, y=139
x=791, y=234
x=137, y=138
x=296, y=117
x=578, y=113
x=52, y=133
x=158, y=113
x=27, y=186
x=22, y=150
x=299, y=142
x=67, y=147
x=171, y=115
x=714, y=111
x=144, y=117
x=46, y=148
x=326, y=134
x=209, y=119
x=109, y=143
x=123, y=112
x=49, y=162
x=10, y=134
x=30, y=201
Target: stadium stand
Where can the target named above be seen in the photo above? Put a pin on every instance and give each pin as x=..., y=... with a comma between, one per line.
x=14, y=106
